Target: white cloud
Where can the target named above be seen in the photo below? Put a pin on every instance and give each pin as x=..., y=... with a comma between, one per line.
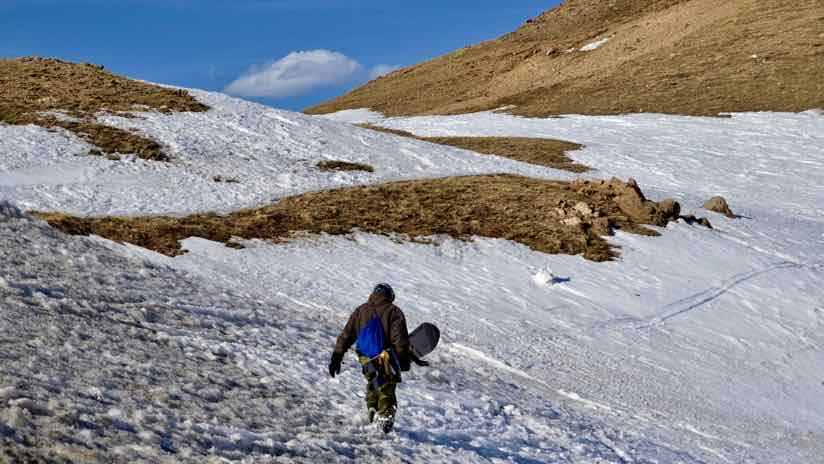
x=301, y=72
x=296, y=74
x=382, y=70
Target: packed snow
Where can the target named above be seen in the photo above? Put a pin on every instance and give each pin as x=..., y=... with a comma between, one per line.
x=115, y=354
x=698, y=346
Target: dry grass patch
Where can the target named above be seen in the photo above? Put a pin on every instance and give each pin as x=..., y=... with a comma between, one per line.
x=335, y=165
x=543, y=152
x=694, y=57
x=225, y=179
x=549, y=216
x=32, y=90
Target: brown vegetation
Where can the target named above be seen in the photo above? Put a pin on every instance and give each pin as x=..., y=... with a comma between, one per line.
x=53, y=93
x=693, y=57
x=335, y=165
x=543, y=152
x=553, y=217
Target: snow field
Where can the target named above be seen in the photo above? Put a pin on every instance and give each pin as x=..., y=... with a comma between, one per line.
x=131, y=368
x=696, y=346
x=772, y=162
x=270, y=153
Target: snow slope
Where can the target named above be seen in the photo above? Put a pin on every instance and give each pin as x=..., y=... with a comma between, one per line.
x=731, y=316
x=271, y=153
x=156, y=364
x=770, y=161
x=696, y=346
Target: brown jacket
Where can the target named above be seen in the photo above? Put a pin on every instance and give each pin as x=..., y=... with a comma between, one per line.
x=392, y=320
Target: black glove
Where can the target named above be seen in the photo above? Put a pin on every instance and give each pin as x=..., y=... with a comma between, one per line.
x=334, y=364
x=418, y=360
x=405, y=363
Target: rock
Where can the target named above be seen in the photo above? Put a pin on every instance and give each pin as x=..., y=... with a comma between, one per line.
x=691, y=219
x=572, y=221
x=602, y=227
x=669, y=208
x=583, y=209
x=663, y=212
x=633, y=205
x=633, y=185
x=719, y=205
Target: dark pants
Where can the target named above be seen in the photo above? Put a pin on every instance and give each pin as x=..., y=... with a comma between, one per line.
x=382, y=399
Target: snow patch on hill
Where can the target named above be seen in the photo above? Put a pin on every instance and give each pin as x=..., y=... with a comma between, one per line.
x=270, y=153
x=594, y=45
x=113, y=354
x=697, y=346
x=767, y=161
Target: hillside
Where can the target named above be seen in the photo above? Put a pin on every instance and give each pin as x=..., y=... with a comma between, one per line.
x=57, y=94
x=131, y=332
x=691, y=57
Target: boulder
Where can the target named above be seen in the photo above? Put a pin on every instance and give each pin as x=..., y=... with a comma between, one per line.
x=667, y=210
x=719, y=205
x=633, y=205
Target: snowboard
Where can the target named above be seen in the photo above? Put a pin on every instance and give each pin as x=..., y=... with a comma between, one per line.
x=424, y=339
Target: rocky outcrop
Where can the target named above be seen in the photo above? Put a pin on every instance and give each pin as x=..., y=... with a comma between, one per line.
x=631, y=203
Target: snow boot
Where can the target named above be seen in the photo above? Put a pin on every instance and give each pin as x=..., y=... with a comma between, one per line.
x=386, y=423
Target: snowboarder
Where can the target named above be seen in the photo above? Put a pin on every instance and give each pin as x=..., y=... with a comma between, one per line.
x=378, y=331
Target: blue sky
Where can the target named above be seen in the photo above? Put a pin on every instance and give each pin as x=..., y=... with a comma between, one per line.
x=211, y=44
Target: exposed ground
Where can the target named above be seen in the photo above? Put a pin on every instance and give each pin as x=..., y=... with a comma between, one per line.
x=335, y=165
x=543, y=152
x=58, y=94
x=553, y=217
x=692, y=57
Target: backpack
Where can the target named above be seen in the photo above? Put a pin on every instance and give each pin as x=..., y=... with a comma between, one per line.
x=371, y=339
x=380, y=364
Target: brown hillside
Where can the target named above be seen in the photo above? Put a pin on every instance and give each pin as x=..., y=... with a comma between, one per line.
x=54, y=93
x=695, y=57
x=553, y=217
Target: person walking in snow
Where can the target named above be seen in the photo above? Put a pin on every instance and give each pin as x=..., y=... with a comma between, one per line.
x=378, y=330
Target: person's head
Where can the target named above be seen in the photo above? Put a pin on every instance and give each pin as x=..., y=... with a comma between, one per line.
x=384, y=291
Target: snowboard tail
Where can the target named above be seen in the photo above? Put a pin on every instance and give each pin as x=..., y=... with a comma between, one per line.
x=424, y=339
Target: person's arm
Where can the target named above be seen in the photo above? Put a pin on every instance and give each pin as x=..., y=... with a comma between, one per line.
x=348, y=335
x=399, y=337
x=345, y=340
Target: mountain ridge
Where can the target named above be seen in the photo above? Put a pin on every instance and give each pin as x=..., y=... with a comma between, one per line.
x=692, y=57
